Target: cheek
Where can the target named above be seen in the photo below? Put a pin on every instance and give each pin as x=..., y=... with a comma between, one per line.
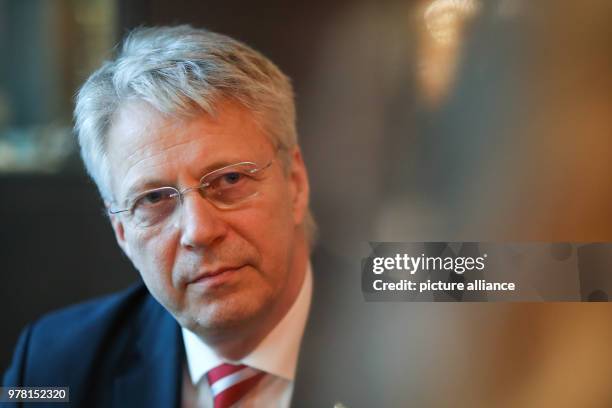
x=270, y=230
x=152, y=253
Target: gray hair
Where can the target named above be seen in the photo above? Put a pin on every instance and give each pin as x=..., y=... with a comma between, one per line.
x=183, y=71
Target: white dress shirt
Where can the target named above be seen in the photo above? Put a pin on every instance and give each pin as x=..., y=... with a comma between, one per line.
x=276, y=355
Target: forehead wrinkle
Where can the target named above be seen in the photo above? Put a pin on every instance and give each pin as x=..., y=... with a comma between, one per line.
x=143, y=126
x=152, y=155
x=149, y=162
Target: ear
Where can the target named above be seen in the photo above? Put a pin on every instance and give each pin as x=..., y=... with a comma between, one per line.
x=118, y=229
x=299, y=186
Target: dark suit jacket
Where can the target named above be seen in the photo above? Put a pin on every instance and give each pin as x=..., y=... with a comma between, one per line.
x=126, y=350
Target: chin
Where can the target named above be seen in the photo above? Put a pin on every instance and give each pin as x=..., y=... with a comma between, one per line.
x=227, y=314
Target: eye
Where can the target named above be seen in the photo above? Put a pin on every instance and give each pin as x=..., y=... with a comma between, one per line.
x=232, y=178
x=230, y=186
x=154, y=197
x=228, y=181
x=153, y=206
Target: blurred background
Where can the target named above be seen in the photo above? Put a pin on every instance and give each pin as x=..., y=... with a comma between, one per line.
x=466, y=120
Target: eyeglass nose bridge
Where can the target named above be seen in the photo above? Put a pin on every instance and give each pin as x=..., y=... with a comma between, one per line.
x=201, y=188
x=180, y=195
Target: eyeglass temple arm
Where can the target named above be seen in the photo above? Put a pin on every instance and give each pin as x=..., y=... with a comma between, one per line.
x=110, y=211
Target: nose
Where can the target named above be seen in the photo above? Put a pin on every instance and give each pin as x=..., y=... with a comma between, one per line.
x=201, y=224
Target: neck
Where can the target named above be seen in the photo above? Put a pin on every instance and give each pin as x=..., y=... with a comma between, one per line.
x=244, y=339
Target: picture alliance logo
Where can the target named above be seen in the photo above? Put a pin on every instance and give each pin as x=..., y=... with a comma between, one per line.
x=414, y=264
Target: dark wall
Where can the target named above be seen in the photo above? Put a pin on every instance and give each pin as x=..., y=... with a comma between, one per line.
x=56, y=248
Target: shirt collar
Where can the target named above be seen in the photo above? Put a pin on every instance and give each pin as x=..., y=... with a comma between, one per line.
x=277, y=353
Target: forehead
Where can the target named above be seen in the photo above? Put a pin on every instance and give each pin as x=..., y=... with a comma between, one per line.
x=145, y=146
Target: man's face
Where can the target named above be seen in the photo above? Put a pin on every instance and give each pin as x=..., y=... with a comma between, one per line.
x=211, y=268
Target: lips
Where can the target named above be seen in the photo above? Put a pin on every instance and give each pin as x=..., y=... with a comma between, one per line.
x=208, y=275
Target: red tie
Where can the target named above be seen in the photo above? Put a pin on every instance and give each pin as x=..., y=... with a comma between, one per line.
x=229, y=383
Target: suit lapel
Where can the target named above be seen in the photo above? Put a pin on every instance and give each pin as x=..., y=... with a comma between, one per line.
x=152, y=378
x=314, y=385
